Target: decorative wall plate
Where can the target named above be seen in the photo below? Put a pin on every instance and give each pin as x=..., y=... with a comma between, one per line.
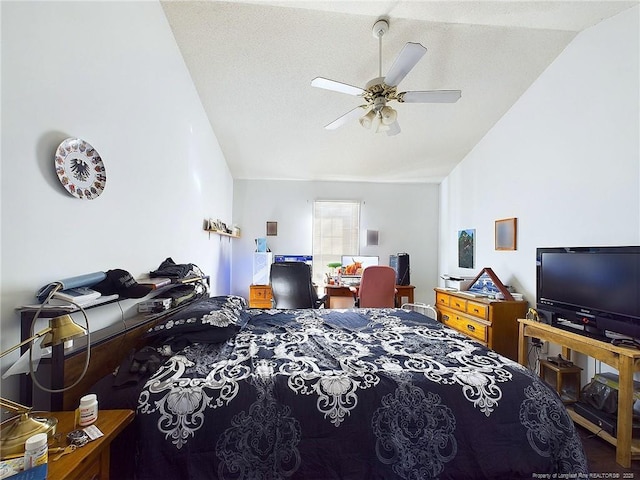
x=80, y=169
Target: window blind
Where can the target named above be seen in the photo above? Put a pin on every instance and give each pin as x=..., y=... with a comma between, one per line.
x=336, y=232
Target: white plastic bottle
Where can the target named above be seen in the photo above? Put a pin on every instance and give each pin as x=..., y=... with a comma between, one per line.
x=36, y=451
x=88, y=410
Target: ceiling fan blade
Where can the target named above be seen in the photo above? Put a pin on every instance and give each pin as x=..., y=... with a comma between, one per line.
x=430, y=96
x=336, y=86
x=394, y=129
x=350, y=115
x=404, y=62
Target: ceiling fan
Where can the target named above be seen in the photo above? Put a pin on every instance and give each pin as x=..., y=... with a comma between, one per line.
x=375, y=114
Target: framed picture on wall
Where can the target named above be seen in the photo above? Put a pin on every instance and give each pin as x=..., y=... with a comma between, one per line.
x=466, y=248
x=272, y=228
x=372, y=237
x=506, y=233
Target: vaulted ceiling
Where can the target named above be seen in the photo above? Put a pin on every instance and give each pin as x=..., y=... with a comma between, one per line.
x=252, y=64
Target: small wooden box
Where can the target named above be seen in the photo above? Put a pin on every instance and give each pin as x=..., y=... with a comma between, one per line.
x=565, y=380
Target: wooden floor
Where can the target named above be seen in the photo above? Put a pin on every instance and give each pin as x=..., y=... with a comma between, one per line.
x=601, y=456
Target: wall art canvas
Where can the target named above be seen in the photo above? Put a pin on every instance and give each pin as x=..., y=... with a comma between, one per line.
x=466, y=248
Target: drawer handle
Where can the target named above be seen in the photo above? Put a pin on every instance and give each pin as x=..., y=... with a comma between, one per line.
x=445, y=317
x=476, y=310
x=471, y=328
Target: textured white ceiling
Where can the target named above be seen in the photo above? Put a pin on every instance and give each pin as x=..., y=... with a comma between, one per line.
x=252, y=64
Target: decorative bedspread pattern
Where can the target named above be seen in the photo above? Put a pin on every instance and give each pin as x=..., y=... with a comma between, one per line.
x=350, y=394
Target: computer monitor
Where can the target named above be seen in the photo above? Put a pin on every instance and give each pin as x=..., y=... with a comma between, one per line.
x=308, y=259
x=353, y=265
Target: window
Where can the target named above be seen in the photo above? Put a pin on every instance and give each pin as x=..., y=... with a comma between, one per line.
x=336, y=230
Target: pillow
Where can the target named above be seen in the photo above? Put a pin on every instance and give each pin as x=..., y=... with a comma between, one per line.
x=210, y=320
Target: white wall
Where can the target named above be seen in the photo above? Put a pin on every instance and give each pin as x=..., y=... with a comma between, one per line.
x=110, y=73
x=406, y=216
x=564, y=160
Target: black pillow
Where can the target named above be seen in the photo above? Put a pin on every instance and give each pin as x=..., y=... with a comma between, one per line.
x=210, y=320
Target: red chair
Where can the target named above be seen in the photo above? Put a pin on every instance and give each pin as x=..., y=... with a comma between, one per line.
x=377, y=288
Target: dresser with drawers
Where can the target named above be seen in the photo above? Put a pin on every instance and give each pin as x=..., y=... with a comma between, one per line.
x=494, y=323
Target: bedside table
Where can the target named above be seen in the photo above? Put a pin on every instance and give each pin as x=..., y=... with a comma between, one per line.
x=260, y=296
x=90, y=462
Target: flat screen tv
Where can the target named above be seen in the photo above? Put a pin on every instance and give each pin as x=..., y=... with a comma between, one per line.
x=595, y=290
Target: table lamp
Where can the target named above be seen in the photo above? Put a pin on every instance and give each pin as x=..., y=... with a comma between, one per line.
x=17, y=430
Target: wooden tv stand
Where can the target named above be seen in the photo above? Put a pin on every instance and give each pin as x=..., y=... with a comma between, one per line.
x=625, y=359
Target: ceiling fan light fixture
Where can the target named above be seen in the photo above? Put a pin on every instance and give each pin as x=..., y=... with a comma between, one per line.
x=381, y=90
x=388, y=115
x=381, y=127
x=367, y=120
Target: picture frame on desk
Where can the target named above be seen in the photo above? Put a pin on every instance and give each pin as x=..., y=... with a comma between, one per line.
x=488, y=282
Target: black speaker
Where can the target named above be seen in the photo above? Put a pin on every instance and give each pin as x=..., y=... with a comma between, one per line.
x=400, y=263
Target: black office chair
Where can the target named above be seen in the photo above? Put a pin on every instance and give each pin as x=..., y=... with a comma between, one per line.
x=291, y=286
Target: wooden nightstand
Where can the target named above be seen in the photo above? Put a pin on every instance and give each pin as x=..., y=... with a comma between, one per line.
x=90, y=462
x=260, y=296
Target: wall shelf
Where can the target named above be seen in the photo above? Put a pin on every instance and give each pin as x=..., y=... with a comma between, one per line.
x=222, y=234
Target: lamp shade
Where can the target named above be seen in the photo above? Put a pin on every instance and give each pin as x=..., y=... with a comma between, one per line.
x=367, y=120
x=388, y=115
x=379, y=125
x=63, y=328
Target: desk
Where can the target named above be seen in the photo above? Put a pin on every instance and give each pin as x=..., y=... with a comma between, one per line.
x=340, y=296
x=404, y=291
x=625, y=360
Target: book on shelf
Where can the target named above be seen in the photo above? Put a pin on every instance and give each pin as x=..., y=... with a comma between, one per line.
x=79, y=295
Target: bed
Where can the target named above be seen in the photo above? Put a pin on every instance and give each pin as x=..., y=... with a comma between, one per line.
x=240, y=393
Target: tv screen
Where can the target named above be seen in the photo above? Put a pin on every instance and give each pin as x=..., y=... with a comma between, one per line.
x=595, y=286
x=353, y=265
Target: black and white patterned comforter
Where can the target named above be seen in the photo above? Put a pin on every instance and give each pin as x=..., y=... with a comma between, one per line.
x=350, y=394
